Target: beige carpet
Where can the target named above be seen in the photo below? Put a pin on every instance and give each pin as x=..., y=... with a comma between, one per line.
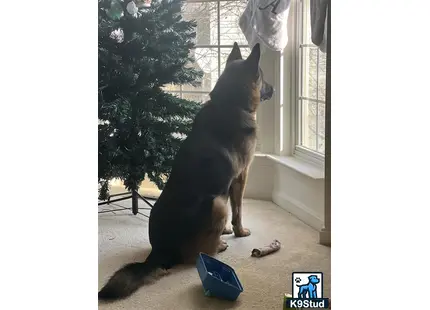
x=123, y=239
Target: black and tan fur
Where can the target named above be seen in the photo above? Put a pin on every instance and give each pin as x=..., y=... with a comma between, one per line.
x=212, y=166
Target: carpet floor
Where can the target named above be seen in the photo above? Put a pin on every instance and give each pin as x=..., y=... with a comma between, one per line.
x=123, y=238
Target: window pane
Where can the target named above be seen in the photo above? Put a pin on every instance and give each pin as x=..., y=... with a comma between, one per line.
x=321, y=75
x=321, y=128
x=230, y=32
x=202, y=98
x=312, y=85
x=308, y=124
x=206, y=59
x=245, y=51
x=309, y=72
x=205, y=14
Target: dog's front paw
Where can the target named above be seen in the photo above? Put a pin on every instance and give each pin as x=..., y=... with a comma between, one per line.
x=222, y=246
x=241, y=232
x=227, y=231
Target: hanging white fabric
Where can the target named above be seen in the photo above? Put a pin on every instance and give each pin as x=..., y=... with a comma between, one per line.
x=265, y=22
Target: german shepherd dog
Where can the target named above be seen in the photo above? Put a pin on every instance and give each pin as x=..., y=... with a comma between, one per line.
x=211, y=166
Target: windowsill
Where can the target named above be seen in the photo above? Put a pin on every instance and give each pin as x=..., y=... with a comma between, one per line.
x=296, y=164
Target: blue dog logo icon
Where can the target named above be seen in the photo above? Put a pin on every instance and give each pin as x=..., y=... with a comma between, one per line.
x=309, y=290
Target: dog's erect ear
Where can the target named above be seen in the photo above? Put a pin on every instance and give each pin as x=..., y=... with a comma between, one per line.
x=254, y=58
x=235, y=53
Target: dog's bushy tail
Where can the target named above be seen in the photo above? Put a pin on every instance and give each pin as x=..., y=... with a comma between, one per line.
x=128, y=279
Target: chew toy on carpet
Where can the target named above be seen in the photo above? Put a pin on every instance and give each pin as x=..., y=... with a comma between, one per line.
x=273, y=247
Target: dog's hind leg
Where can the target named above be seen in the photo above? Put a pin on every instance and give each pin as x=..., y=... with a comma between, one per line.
x=219, y=220
x=222, y=246
x=236, y=192
x=209, y=239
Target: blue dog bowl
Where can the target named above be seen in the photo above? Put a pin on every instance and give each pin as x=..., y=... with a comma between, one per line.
x=218, y=279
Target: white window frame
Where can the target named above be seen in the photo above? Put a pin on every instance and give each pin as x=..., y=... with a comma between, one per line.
x=279, y=119
x=299, y=150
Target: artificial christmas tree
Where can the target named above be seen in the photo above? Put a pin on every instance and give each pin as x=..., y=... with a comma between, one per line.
x=140, y=50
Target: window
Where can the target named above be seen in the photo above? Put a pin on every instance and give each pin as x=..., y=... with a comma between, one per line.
x=311, y=73
x=217, y=29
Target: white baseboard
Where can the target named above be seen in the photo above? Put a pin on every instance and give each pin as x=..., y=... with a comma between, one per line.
x=298, y=209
